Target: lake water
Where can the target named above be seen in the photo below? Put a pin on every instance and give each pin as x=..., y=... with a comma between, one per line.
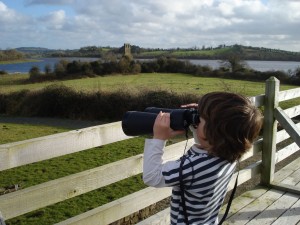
x=26, y=66
x=256, y=65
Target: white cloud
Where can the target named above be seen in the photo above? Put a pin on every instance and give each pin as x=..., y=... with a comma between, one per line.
x=3, y=7
x=55, y=20
x=8, y=15
x=164, y=24
x=11, y=21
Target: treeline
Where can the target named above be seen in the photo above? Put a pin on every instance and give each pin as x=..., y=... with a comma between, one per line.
x=77, y=69
x=11, y=54
x=260, y=53
x=233, y=68
x=89, y=51
x=205, y=52
x=94, y=51
x=221, y=53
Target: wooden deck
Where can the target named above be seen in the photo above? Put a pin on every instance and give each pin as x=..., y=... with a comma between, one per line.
x=269, y=206
x=258, y=206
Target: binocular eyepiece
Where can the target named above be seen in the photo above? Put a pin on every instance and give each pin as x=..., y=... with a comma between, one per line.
x=139, y=123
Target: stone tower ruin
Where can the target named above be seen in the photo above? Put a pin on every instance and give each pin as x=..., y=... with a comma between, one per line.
x=127, y=49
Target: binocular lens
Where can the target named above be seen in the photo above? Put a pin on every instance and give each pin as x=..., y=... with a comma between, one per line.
x=138, y=123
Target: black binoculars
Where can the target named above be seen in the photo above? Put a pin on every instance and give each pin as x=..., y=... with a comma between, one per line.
x=139, y=123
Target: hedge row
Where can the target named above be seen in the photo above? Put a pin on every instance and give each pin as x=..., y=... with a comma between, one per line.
x=64, y=102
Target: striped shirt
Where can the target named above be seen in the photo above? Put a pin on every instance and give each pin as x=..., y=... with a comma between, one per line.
x=205, y=180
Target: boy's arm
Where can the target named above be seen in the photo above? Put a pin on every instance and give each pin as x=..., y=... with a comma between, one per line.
x=153, y=163
x=153, y=151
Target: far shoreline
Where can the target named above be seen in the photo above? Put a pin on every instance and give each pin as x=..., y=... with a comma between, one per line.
x=19, y=61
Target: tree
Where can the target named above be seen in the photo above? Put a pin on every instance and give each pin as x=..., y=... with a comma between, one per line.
x=124, y=64
x=135, y=67
x=10, y=54
x=74, y=67
x=234, y=63
x=86, y=69
x=60, y=68
x=34, y=72
x=97, y=67
x=47, y=69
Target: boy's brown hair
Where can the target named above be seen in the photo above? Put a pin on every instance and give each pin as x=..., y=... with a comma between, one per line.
x=232, y=123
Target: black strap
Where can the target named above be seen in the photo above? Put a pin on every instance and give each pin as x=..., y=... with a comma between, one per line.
x=182, y=191
x=183, y=199
x=230, y=200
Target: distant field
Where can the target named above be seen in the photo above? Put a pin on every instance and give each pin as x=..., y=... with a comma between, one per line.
x=198, y=53
x=173, y=82
x=185, y=53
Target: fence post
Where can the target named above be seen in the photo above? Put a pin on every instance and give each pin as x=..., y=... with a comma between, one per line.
x=269, y=131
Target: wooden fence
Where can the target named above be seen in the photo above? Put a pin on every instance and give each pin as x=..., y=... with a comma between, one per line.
x=43, y=148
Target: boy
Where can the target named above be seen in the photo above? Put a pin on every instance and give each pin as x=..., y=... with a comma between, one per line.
x=229, y=124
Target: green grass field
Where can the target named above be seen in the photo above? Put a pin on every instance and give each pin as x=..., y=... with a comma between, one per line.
x=167, y=81
x=173, y=82
x=10, y=132
x=36, y=173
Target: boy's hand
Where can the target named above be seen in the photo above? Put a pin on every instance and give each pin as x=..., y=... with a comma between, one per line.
x=161, y=128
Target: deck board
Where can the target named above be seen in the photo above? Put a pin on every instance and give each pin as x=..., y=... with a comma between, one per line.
x=254, y=209
x=291, y=216
x=272, y=207
x=274, y=211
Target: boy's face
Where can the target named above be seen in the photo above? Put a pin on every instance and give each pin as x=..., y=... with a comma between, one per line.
x=201, y=135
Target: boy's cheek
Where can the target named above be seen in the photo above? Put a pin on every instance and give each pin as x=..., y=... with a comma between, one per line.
x=196, y=139
x=195, y=135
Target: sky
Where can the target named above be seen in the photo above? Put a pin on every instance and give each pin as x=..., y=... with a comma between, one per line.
x=72, y=24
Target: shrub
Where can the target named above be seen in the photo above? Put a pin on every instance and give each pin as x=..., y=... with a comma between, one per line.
x=47, y=69
x=97, y=67
x=11, y=102
x=34, y=73
x=60, y=68
x=3, y=103
x=86, y=69
x=74, y=67
x=136, y=68
x=3, y=72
